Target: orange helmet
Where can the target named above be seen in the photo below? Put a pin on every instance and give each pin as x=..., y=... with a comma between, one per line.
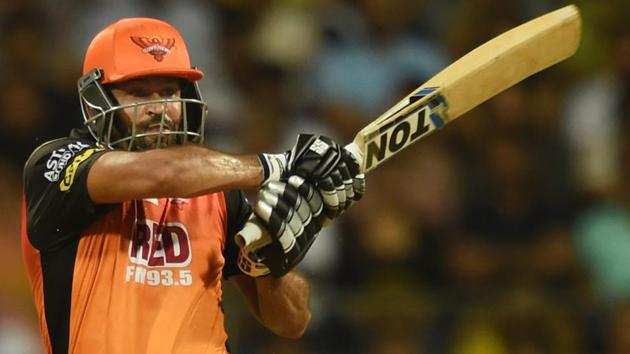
x=135, y=47
x=130, y=49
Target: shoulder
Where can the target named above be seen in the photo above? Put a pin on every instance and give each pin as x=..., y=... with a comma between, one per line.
x=58, y=205
x=52, y=157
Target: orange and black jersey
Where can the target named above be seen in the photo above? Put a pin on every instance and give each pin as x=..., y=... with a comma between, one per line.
x=137, y=277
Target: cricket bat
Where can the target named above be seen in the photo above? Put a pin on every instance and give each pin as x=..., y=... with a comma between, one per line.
x=473, y=79
x=481, y=74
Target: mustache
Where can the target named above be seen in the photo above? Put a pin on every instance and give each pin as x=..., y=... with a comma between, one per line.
x=156, y=122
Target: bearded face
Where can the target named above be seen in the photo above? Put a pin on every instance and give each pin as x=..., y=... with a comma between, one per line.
x=152, y=112
x=158, y=131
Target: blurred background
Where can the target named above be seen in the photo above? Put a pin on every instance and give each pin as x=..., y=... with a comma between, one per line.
x=506, y=232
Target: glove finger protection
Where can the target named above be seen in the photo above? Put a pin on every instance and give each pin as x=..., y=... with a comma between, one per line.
x=309, y=193
x=285, y=214
x=295, y=199
x=330, y=198
x=347, y=183
x=333, y=193
x=358, y=186
x=340, y=188
x=277, y=217
x=315, y=208
x=358, y=178
x=298, y=213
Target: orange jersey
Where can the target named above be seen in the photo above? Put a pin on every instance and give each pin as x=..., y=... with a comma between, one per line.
x=137, y=277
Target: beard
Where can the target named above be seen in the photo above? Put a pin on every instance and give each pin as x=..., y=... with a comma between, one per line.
x=151, y=142
x=154, y=139
x=151, y=131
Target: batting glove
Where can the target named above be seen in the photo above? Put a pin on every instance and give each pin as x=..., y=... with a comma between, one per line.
x=287, y=218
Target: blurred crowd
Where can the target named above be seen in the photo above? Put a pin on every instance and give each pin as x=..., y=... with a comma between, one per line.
x=505, y=232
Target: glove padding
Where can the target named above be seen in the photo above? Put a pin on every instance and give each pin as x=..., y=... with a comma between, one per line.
x=331, y=168
x=291, y=214
x=343, y=187
x=313, y=157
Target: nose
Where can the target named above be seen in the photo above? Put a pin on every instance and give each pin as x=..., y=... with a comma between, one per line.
x=160, y=108
x=157, y=107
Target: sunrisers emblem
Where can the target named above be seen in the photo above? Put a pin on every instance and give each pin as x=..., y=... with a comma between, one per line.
x=71, y=171
x=158, y=47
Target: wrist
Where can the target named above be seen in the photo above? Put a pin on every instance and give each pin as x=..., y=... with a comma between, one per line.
x=273, y=166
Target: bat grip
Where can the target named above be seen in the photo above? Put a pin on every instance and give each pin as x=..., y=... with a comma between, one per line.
x=252, y=234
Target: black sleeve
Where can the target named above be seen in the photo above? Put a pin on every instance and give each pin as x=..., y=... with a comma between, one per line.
x=55, y=188
x=238, y=211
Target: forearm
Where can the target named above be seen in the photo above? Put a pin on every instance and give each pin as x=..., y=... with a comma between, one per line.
x=180, y=171
x=200, y=170
x=283, y=304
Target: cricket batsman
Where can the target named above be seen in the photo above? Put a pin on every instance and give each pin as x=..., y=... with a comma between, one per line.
x=130, y=224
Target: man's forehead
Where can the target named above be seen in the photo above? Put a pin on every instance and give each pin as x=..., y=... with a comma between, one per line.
x=150, y=81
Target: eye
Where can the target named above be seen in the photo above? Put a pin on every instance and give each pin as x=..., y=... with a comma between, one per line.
x=139, y=92
x=169, y=92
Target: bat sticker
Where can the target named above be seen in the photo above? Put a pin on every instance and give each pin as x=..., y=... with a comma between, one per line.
x=407, y=128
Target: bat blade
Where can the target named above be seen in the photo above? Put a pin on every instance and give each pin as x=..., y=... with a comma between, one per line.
x=481, y=74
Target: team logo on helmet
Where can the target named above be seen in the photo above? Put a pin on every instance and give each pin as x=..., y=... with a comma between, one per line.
x=157, y=47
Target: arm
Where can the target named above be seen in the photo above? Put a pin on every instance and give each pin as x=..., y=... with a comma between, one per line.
x=191, y=170
x=179, y=171
x=280, y=304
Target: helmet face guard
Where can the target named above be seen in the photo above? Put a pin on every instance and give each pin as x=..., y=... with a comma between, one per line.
x=102, y=116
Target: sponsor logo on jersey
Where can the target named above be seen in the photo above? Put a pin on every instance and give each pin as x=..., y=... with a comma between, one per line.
x=166, y=245
x=159, y=255
x=155, y=46
x=72, y=169
x=59, y=159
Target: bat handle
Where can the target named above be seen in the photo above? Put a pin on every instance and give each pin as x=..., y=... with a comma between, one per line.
x=356, y=152
x=252, y=234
